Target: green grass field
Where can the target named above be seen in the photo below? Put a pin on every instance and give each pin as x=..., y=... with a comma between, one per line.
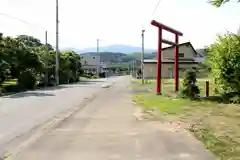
x=217, y=125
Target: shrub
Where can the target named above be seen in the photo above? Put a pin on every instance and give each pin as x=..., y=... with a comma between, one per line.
x=87, y=76
x=224, y=61
x=27, y=80
x=64, y=77
x=13, y=89
x=4, y=70
x=94, y=77
x=189, y=88
x=72, y=80
x=102, y=75
x=1, y=93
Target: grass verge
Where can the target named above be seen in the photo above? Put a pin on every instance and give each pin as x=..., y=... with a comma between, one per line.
x=217, y=125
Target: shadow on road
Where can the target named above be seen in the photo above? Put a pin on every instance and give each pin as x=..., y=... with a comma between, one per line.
x=72, y=85
x=90, y=81
x=54, y=88
x=29, y=94
x=35, y=93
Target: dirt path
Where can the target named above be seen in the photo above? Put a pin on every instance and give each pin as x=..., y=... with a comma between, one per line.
x=107, y=129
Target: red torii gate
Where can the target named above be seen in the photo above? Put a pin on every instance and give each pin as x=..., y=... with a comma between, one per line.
x=161, y=27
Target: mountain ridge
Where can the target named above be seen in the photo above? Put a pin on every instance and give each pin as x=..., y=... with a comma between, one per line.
x=116, y=48
x=117, y=57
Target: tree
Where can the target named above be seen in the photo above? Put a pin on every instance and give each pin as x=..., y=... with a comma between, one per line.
x=4, y=71
x=19, y=56
x=189, y=87
x=4, y=66
x=27, y=79
x=10, y=50
x=33, y=48
x=219, y=3
x=224, y=61
x=70, y=66
x=75, y=65
x=29, y=61
x=48, y=71
x=44, y=58
x=30, y=41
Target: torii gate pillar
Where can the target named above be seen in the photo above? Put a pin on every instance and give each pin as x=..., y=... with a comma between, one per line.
x=162, y=27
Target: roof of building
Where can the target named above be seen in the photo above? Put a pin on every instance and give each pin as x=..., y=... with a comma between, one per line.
x=169, y=62
x=182, y=44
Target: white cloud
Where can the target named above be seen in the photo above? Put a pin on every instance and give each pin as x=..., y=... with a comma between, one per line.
x=117, y=21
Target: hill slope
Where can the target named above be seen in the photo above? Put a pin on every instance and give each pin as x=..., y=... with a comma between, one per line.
x=111, y=57
x=113, y=48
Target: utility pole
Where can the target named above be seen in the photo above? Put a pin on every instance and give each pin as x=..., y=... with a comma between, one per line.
x=132, y=67
x=57, y=47
x=46, y=38
x=129, y=69
x=134, y=72
x=46, y=50
x=97, y=45
x=142, y=64
x=97, y=52
x=238, y=32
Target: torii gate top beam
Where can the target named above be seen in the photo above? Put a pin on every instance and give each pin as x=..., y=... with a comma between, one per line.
x=163, y=26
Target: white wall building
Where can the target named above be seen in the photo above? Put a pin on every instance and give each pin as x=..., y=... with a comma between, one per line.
x=91, y=64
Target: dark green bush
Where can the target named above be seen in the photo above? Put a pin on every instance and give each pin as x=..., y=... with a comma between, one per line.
x=94, y=77
x=102, y=75
x=189, y=88
x=27, y=80
x=72, y=80
x=13, y=89
x=87, y=76
x=4, y=70
x=64, y=77
x=224, y=60
x=1, y=91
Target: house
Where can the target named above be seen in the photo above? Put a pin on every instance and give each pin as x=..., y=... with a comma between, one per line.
x=188, y=58
x=91, y=64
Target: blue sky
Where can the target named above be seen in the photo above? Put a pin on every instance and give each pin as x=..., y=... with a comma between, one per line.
x=118, y=21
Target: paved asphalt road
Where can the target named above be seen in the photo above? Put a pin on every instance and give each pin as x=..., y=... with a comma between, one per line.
x=109, y=128
x=22, y=112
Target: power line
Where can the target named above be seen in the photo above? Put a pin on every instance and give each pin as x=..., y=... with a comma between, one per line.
x=156, y=8
x=33, y=25
x=23, y=21
x=154, y=11
x=26, y=23
x=143, y=30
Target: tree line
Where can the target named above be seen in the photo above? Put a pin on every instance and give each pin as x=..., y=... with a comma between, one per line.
x=32, y=63
x=222, y=64
x=223, y=59
x=219, y=3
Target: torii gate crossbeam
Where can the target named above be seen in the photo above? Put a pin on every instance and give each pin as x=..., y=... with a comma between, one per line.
x=177, y=33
